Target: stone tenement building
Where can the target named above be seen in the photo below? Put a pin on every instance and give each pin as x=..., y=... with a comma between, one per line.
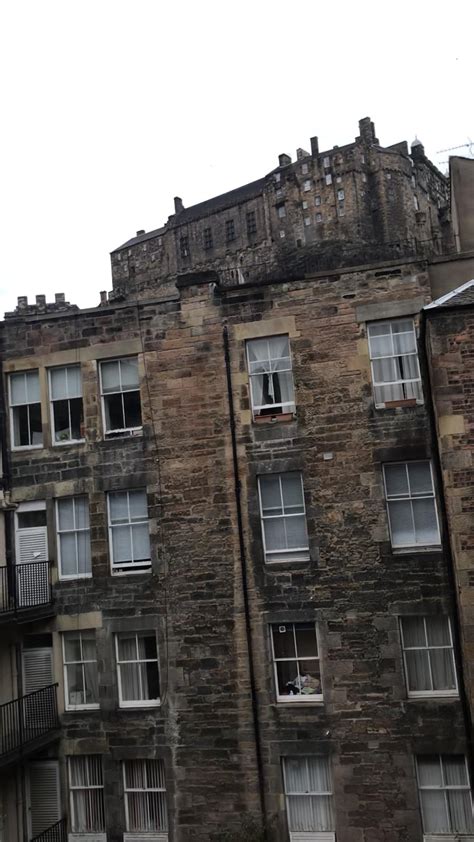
x=230, y=513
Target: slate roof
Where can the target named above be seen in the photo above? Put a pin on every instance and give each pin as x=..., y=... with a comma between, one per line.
x=462, y=296
x=203, y=209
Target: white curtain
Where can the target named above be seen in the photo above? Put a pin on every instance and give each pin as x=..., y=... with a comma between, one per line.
x=445, y=810
x=307, y=782
x=147, y=809
x=85, y=776
x=129, y=672
x=271, y=378
x=394, y=358
x=66, y=383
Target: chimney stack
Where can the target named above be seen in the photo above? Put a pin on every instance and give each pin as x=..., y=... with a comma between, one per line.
x=41, y=301
x=284, y=160
x=178, y=204
x=59, y=297
x=103, y=297
x=314, y=147
x=22, y=302
x=140, y=232
x=367, y=131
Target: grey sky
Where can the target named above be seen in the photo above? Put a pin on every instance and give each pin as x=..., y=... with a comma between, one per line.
x=111, y=108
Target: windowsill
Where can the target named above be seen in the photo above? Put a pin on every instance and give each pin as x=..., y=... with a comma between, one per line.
x=399, y=404
x=289, y=560
x=435, y=548
x=75, y=578
x=81, y=708
x=129, y=433
x=131, y=571
x=437, y=697
x=140, y=705
x=280, y=418
x=19, y=448
x=316, y=701
x=69, y=441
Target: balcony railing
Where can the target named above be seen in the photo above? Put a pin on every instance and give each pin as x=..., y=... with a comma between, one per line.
x=56, y=833
x=27, y=721
x=24, y=586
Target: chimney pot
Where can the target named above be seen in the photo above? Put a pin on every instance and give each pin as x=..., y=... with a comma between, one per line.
x=22, y=301
x=41, y=301
x=314, y=147
x=103, y=297
x=140, y=232
x=60, y=297
x=178, y=204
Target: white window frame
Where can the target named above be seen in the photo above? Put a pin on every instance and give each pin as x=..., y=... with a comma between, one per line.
x=452, y=834
x=304, y=169
x=52, y=402
x=286, y=406
x=328, y=178
x=307, y=185
x=341, y=194
x=281, y=210
x=301, y=697
x=88, y=788
x=297, y=836
x=409, y=498
x=12, y=406
x=144, y=790
x=131, y=566
x=326, y=162
x=303, y=552
x=119, y=430
x=137, y=703
x=414, y=694
x=74, y=531
x=319, y=217
x=400, y=382
x=317, y=201
x=79, y=633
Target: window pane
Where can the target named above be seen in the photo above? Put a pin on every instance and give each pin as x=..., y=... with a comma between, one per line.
x=455, y=772
x=141, y=542
x=118, y=504
x=84, y=553
x=66, y=513
x=309, y=681
x=379, y=329
x=150, y=681
x=404, y=343
x=77, y=418
x=21, y=428
x=420, y=478
x=435, y=816
x=138, y=505
x=72, y=647
x=32, y=387
x=300, y=813
x=133, y=411
x=385, y=371
x=460, y=810
x=306, y=640
x=121, y=544
x=62, y=431
x=296, y=535
x=403, y=533
x=88, y=646
x=18, y=388
x=127, y=647
x=81, y=512
x=36, y=428
x=147, y=646
x=130, y=683
x=396, y=479
x=429, y=771
x=91, y=683
x=438, y=631
x=270, y=493
x=296, y=775
x=114, y=414
x=75, y=686
x=413, y=631
x=418, y=671
x=58, y=383
x=287, y=677
x=110, y=377
x=74, y=381
x=442, y=668
x=319, y=778
x=283, y=641
x=31, y=519
x=129, y=372
x=292, y=493
x=67, y=546
x=275, y=538
x=426, y=525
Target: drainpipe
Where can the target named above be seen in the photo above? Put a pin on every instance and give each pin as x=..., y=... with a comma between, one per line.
x=243, y=566
x=447, y=543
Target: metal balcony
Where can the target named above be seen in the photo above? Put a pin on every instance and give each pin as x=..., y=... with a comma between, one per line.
x=56, y=833
x=25, y=591
x=28, y=723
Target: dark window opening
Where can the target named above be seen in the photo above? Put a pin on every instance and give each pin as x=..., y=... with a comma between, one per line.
x=251, y=222
x=229, y=230
x=184, y=246
x=208, y=238
x=27, y=428
x=68, y=419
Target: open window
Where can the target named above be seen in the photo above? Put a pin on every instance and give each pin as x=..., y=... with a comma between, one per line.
x=65, y=389
x=396, y=374
x=121, y=405
x=271, y=376
x=25, y=410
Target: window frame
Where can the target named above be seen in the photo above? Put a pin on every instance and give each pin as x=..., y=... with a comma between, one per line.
x=409, y=498
x=423, y=694
x=444, y=788
x=251, y=222
x=301, y=697
x=119, y=432
x=88, y=788
x=79, y=632
x=207, y=239
x=144, y=791
x=287, y=407
x=52, y=402
x=309, y=793
x=184, y=246
x=137, y=703
x=302, y=550
x=380, y=384
x=12, y=406
x=59, y=532
x=126, y=568
x=229, y=230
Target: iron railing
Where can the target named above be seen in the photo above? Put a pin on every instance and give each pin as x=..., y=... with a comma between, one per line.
x=56, y=833
x=25, y=586
x=25, y=720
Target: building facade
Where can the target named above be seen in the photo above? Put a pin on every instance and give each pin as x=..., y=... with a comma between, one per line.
x=228, y=589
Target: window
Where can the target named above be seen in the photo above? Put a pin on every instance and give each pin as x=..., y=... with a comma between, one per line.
x=128, y=530
x=271, y=377
x=319, y=217
x=445, y=794
x=86, y=788
x=307, y=185
x=251, y=222
x=340, y=195
x=416, y=203
x=296, y=662
x=340, y=209
x=229, y=230
x=279, y=193
x=394, y=361
x=411, y=504
x=282, y=235
x=81, y=686
x=25, y=409
x=184, y=246
x=277, y=177
x=304, y=168
x=137, y=667
x=207, y=238
x=326, y=163
x=307, y=221
x=317, y=201
x=428, y=656
x=283, y=517
x=281, y=210
x=67, y=412
x=121, y=396
x=145, y=796
x=74, y=546
x=305, y=205
x=308, y=792
x=328, y=178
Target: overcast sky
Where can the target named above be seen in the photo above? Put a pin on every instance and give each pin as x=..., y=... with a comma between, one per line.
x=110, y=109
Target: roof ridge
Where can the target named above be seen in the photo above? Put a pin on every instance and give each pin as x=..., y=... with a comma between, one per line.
x=448, y=295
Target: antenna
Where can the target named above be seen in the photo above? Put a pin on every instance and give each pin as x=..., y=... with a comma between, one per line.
x=469, y=145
